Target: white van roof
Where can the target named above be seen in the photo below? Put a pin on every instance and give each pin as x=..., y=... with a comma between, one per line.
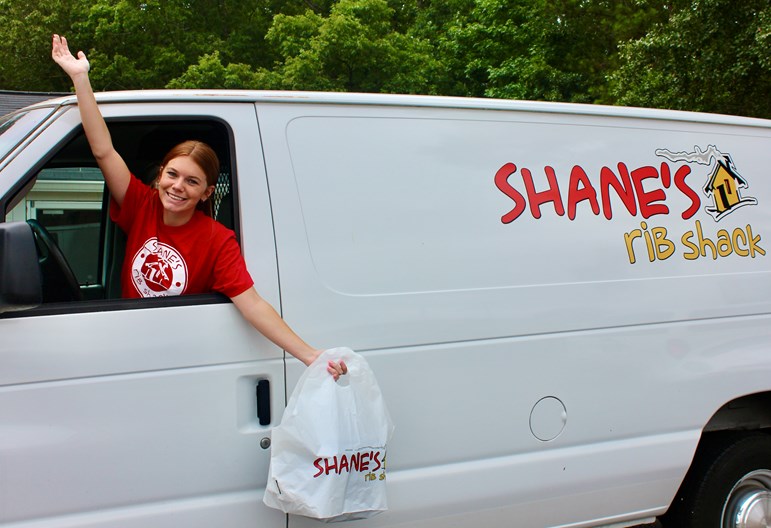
x=427, y=101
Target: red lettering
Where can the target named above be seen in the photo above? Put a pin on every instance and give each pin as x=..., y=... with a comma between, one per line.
x=629, y=187
x=680, y=175
x=666, y=176
x=552, y=194
x=330, y=468
x=578, y=194
x=364, y=462
x=343, y=464
x=317, y=463
x=355, y=461
x=647, y=200
x=623, y=190
x=376, y=458
x=502, y=182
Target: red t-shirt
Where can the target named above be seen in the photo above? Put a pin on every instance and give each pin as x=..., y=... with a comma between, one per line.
x=201, y=256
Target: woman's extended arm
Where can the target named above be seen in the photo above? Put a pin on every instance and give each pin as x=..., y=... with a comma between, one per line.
x=266, y=320
x=116, y=173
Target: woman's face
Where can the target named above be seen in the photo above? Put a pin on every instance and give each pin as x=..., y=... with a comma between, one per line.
x=181, y=186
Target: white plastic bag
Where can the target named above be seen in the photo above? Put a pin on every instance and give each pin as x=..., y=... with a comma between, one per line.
x=328, y=455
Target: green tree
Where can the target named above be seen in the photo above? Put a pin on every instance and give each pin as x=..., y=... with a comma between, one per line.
x=238, y=27
x=146, y=43
x=354, y=48
x=711, y=55
x=25, y=44
x=437, y=21
x=209, y=72
x=558, y=50
x=133, y=43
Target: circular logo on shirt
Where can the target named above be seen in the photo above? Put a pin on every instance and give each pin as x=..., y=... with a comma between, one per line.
x=158, y=270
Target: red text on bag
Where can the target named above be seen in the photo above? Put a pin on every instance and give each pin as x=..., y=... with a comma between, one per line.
x=363, y=461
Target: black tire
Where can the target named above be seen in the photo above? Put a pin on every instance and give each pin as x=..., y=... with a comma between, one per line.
x=729, y=471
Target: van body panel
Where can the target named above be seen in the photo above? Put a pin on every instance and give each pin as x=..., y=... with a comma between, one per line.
x=140, y=416
x=462, y=495
x=471, y=321
x=231, y=509
x=556, y=299
x=84, y=450
x=458, y=246
x=665, y=385
x=406, y=101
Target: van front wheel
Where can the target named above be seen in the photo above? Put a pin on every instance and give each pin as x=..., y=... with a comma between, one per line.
x=729, y=486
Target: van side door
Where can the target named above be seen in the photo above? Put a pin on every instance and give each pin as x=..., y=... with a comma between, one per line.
x=136, y=413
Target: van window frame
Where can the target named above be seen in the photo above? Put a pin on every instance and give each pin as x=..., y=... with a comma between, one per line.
x=20, y=126
x=25, y=183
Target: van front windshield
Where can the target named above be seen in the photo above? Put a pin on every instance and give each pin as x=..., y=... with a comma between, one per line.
x=15, y=127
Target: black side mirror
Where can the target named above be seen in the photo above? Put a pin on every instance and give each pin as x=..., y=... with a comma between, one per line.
x=21, y=284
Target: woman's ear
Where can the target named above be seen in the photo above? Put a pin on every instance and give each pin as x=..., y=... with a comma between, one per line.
x=207, y=193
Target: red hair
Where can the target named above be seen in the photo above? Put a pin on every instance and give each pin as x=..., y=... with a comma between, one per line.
x=203, y=156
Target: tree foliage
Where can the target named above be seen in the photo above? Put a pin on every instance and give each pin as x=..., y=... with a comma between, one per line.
x=210, y=72
x=356, y=48
x=711, y=55
x=544, y=49
x=714, y=55
x=25, y=44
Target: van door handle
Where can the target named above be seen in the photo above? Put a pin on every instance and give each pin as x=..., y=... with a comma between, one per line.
x=263, y=402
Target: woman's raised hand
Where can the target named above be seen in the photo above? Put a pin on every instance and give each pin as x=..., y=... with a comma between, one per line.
x=72, y=66
x=116, y=173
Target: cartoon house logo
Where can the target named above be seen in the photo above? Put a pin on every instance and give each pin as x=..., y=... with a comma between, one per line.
x=724, y=184
x=724, y=188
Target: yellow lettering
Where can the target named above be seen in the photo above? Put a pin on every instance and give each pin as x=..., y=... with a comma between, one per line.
x=648, y=242
x=686, y=240
x=664, y=247
x=628, y=239
x=737, y=234
x=724, y=247
x=742, y=242
x=754, y=243
x=705, y=243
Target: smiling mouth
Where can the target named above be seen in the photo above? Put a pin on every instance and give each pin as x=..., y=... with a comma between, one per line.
x=175, y=197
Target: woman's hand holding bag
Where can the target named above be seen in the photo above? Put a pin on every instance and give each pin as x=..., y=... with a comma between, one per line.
x=328, y=455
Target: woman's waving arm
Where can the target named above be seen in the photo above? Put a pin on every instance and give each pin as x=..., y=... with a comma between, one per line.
x=113, y=167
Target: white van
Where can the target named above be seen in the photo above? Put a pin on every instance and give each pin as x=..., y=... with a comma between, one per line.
x=568, y=309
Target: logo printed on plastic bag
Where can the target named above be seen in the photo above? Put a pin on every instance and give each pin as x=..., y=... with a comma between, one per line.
x=328, y=455
x=367, y=461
